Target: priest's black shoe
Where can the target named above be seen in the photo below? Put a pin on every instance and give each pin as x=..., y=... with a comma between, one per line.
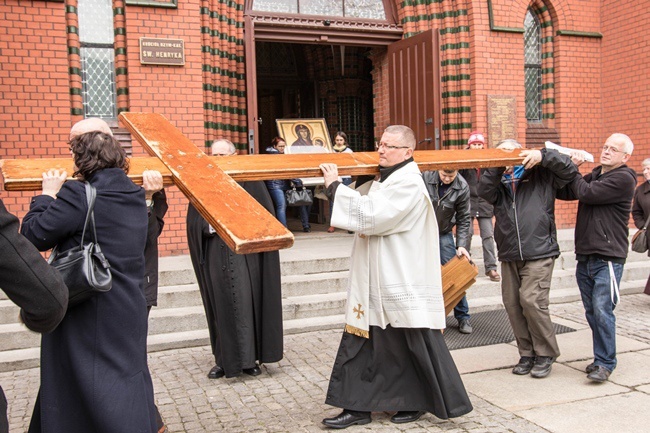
x=347, y=418
x=255, y=371
x=406, y=416
x=216, y=372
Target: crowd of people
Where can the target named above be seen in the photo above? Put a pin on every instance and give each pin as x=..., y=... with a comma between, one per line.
x=392, y=356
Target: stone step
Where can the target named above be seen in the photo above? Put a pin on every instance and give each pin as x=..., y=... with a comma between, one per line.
x=17, y=336
x=299, y=285
x=303, y=307
x=178, y=319
x=8, y=312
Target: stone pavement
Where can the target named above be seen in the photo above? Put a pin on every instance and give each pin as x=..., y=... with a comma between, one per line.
x=289, y=396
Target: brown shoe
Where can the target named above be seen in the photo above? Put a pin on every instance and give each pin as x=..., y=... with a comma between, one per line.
x=330, y=229
x=493, y=275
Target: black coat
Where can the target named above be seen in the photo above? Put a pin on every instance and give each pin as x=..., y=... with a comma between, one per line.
x=452, y=209
x=154, y=228
x=32, y=284
x=479, y=208
x=525, y=219
x=94, y=373
x=604, y=207
x=241, y=294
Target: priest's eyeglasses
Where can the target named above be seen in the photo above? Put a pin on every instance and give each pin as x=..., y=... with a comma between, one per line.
x=386, y=146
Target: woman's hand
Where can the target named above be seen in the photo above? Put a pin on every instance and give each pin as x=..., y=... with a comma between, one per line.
x=53, y=181
x=152, y=182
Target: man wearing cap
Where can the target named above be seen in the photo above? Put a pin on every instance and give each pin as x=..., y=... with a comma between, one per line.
x=482, y=211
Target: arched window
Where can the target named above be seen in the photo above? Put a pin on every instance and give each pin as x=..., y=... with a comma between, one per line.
x=533, y=67
x=96, y=36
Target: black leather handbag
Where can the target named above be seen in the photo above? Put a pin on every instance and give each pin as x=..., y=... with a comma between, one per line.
x=299, y=196
x=84, y=268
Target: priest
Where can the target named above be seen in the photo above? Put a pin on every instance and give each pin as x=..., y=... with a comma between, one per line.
x=392, y=356
x=241, y=293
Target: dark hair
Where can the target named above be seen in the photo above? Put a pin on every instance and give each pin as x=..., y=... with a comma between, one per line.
x=342, y=135
x=94, y=151
x=277, y=140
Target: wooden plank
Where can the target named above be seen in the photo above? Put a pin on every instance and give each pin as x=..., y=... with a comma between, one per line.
x=25, y=174
x=239, y=220
x=458, y=275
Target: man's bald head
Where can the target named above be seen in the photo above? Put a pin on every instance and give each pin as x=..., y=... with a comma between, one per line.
x=91, y=124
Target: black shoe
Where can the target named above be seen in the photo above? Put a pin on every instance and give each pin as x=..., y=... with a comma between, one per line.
x=542, y=367
x=524, y=366
x=600, y=374
x=216, y=372
x=306, y=229
x=591, y=367
x=464, y=327
x=347, y=418
x=255, y=371
x=406, y=416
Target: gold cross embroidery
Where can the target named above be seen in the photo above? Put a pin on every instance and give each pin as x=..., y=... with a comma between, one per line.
x=359, y=311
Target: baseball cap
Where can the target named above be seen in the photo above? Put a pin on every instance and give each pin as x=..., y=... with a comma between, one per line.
x=476, y=137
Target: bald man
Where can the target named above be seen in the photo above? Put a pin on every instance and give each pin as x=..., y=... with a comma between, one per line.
x=92, y=124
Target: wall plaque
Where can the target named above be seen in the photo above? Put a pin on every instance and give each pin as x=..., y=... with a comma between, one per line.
x=502, y=118
x=169, y=52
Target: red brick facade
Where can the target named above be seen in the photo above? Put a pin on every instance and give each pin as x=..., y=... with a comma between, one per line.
x=595, y=81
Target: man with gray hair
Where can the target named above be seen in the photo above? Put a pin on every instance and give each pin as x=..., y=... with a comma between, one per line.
x=240, y=292
x=601, y=243
x=524, y=206
x=392, y=355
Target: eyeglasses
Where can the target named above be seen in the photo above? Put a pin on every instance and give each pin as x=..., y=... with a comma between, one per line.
x=386, y=146
x=611, y=150
x=224, y=154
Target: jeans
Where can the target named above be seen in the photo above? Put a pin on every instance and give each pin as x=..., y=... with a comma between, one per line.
x=594, y=281
x=304, y=216
x=447, y=252
x=280, y=203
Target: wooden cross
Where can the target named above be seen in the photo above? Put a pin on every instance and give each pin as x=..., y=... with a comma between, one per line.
x=210, y=183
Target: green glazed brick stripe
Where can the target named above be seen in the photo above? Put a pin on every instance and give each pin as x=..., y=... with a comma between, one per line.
x=548, y=101
x=548, y=71
x=456, y=94
x=456, y=110
x=119, y=31
x=459, y=77
x=75, y=91
x=454, y=30
x=455, y=62
x=420, y=2
x=77, y=111
x=548, y=116
x=74, y=71
x=548, y=55
x=224, y=108
x=222, y=18
x=224, y=126
x=434, y=16
x=118, y=11
x=547, y=39
x=223, y=72
x=121, y=71
x=120, y=51
x=122, y=91
x=461, y=142
x=456, y=126
x=458, y=46
x=222, y=36
x=221, y=53
x=224, y=90
x=70, y=9
x=74, y=50
x=548, y=86
x=73, y=30
x=122, y=110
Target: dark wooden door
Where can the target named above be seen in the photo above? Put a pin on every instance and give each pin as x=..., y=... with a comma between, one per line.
x=414, y=87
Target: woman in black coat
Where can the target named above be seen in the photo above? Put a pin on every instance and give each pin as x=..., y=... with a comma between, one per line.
x=94, y=373
x=641, y=206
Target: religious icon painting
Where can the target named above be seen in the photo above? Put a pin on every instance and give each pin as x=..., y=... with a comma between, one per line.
x=305, y=135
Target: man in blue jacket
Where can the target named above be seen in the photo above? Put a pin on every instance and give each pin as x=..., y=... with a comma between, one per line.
x=601, y=239
x=524, y=206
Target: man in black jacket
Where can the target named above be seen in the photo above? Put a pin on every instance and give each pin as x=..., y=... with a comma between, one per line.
x=524, y=206
x=601, y=239
x=32, y=284
x=449, y=195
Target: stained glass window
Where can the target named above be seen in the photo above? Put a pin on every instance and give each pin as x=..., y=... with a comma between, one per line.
x=533, y=67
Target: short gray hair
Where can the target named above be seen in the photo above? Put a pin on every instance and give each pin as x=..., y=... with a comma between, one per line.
x=628, y=146
x=405, y=134
x=231, y=146
x=509, y=142
x=645, y=162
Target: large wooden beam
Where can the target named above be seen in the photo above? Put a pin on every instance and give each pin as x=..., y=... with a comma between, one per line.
x=25, y=174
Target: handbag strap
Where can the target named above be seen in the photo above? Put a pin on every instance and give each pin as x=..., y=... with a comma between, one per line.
x=91, y=193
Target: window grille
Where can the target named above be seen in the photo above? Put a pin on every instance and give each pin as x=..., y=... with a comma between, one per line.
x=372, y=9
x=96, y=35
x=533, y=67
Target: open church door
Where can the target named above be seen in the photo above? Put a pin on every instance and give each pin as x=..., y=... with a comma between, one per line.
x=251, y=88
x=414, y=87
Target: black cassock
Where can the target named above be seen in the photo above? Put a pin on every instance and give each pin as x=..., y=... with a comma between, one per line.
x=241, y=293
